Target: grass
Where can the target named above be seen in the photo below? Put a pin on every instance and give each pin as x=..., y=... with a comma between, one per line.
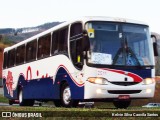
x=96, y=108
x=101, y=111
x=87, y=113
x=2, y=46
x=3, y=99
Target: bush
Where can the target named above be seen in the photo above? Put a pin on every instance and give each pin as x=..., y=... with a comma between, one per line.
x=0, y=82
x=5, y=40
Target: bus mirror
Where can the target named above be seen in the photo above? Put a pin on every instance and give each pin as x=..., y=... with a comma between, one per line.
x=85, y=41
x=155, y=49
x=154, y=45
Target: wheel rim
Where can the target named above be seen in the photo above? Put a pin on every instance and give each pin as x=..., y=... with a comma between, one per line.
x=20, y=97
x=67, y=95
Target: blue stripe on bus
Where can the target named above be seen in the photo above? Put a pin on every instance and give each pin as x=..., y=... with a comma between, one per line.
x=46, y=88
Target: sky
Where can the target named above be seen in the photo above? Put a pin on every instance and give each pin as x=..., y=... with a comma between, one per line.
x=30, y=13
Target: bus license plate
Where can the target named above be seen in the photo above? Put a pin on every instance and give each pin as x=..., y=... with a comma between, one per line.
x=123, y=97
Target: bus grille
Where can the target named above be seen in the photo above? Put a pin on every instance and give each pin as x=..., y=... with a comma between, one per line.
x=125, y=83
x=123, y=91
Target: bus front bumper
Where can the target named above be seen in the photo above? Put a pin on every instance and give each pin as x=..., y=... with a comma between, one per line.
x=111, y=91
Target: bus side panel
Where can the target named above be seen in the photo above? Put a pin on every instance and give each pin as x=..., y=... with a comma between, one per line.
x=32, y=89
x=77, y=90
x=48, y=88
x=38, y=89
x=8, y=93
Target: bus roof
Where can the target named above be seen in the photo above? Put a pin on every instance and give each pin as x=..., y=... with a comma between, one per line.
x=82, y=19
x=112, y=19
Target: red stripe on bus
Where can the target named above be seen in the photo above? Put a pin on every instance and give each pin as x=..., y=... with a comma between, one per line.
x=135, y=77
x=80, y=85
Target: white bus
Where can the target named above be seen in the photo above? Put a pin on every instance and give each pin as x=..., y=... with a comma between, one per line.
x=88, y=59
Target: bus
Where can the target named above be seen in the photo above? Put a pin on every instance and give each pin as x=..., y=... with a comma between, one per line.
x=82, y=60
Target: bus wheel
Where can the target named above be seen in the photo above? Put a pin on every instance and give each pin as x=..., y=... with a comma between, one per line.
x=24, y=102
x=57, y=103
x=66, y=97
x=10, y=102
x=122, y=104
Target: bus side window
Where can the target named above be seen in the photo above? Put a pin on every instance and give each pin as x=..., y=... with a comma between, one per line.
x=44, y=46
x=76, y=44
x=63, y=35
x=59, y=41
x=55, y=42
x=5, y=60
x=11, y=58
x=20, y=54
x=31, y=49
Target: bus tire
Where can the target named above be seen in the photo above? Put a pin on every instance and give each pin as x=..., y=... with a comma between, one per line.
x=24, y=102
x=122, y=104
x=10, y=102
x=30, y=102
x=66, y=97
x=57, y=103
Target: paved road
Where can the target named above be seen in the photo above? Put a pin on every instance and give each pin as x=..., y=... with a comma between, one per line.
x=4, y=104
x=35, y=105
x=1, y=91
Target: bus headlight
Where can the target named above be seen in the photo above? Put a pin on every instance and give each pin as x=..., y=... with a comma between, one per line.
x=98, y=80
x=148, y=81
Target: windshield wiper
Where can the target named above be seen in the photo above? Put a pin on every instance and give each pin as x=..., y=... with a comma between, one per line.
x=128, y=56
x=130, y=52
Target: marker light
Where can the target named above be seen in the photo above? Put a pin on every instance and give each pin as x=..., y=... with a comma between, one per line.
x=98, y=80
x=98, y=91
x=148, y=81
x=148, y=91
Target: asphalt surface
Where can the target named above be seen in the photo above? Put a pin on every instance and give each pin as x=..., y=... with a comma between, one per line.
x=1, y=91
x=4, y=104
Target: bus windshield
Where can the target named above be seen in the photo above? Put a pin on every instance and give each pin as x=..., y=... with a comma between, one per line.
x=120, y=44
